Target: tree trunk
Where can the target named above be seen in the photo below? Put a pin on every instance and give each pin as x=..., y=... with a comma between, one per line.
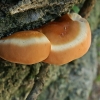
x=71, y=81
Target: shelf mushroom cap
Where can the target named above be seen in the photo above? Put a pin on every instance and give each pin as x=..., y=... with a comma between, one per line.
x=70, y=38
x=25, y=47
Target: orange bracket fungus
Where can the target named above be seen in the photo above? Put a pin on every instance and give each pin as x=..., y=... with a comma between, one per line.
x=25, y=47
x=70, y=38
x=58, y=42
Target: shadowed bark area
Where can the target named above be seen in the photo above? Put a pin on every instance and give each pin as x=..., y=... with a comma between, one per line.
x=87, y=7
x=72, y=81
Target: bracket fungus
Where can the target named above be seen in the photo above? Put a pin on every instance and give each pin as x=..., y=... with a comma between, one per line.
x=57, y=42
x=25, y=47
x=70, y=38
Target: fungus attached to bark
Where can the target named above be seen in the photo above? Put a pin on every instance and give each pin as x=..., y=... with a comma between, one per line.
x=25, y=47
x=64, y=40
x=70, y=38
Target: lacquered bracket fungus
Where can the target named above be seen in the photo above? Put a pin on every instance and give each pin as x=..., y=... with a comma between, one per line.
x=69, y=38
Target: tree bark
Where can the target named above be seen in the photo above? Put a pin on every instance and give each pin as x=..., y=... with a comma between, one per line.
x=68, y=82
x=31, y=18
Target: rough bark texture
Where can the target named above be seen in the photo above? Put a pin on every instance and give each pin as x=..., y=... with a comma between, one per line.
x=33, y=17
x=72, y=81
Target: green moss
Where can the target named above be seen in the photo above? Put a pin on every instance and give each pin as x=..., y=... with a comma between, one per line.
x=98, y=78
x=76, y=9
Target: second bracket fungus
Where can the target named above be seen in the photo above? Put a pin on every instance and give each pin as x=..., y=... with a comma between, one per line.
x=25, y=47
